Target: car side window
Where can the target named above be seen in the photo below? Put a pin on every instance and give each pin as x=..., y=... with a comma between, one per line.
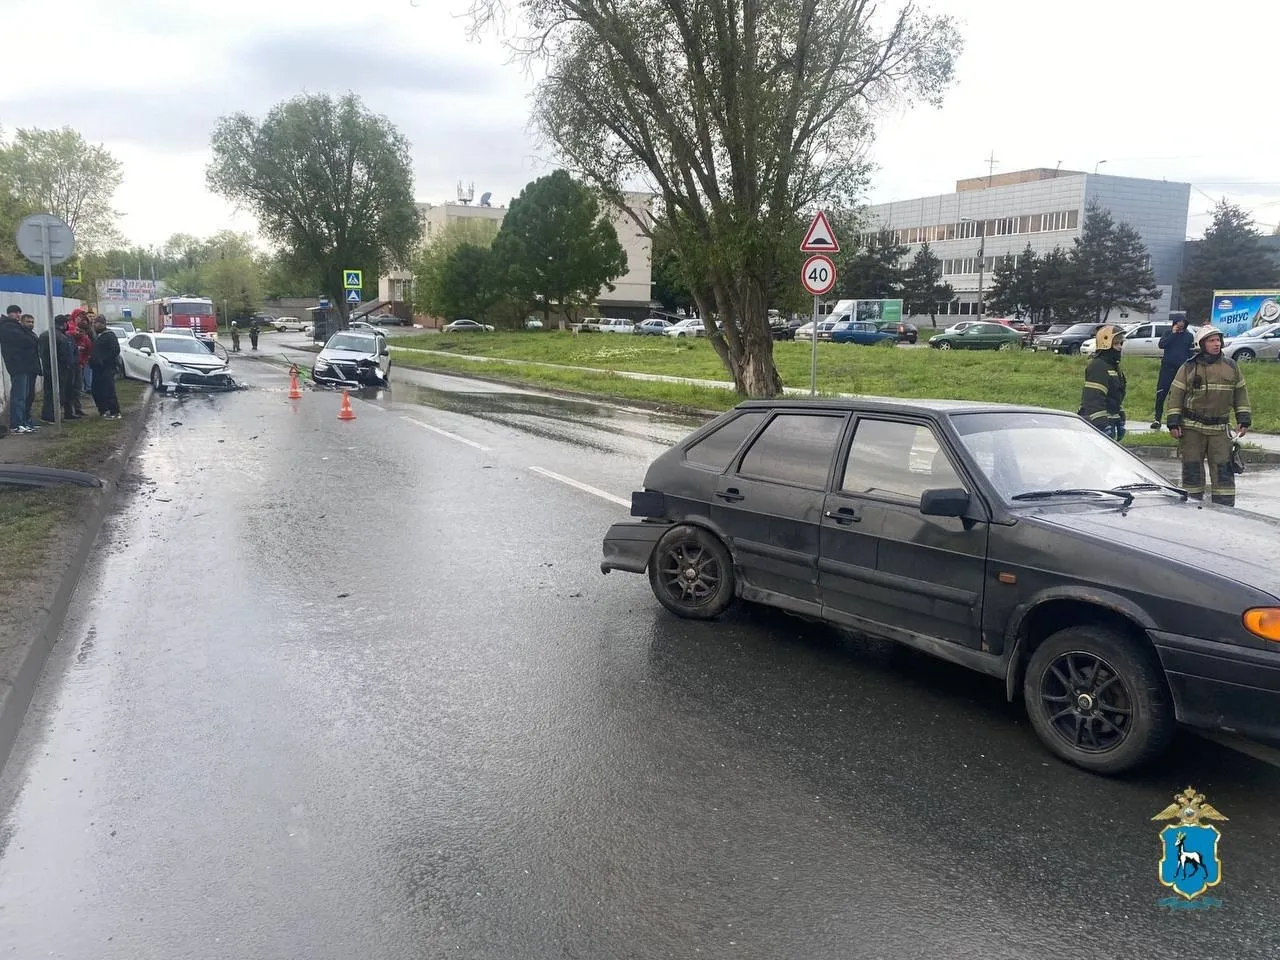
x=717, y=450
x=896, y=460
x=795, y=448
x=140, y=341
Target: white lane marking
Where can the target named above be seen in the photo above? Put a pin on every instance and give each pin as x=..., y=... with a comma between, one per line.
x=446, y=433
x=584, y=487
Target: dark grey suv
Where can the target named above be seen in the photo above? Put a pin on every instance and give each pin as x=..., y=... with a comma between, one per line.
x=1017, y=541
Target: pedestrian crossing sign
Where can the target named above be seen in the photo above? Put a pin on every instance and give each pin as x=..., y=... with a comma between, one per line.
x=352, y=279
x=353, y=296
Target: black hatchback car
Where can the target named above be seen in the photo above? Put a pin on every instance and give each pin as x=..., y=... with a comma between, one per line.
x=1068, y=340
x=1017, y=541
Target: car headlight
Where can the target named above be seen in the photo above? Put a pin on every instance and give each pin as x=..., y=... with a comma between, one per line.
x=322, y=363
x=1057, y=342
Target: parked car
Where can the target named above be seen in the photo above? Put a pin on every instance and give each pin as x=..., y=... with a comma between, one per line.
x=1042, y=340
x=615, y=325
x=174, y=360
x=825, y=327
x=686, y=328
x=354, y=357
x=285, y=324
x=960, y=325
x=1140, y=340
x=903, y=331
x=467, y=326
x=533, y=323
x=1069, y=340
x=1260, y=343
x=979, y=336
x=859, y=331
x=653, y=327
x=784, y=329
x=1016, y=541
x=389, y=320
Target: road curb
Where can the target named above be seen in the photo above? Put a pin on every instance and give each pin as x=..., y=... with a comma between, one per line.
x=1171, y=453
x=91, y=516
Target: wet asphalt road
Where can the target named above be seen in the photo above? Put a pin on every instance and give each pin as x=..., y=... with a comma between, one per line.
x=339, y=690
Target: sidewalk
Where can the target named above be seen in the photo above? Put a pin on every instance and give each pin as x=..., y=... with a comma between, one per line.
x=1266, y=441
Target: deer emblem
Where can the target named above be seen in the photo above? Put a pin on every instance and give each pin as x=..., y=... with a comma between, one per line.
x=1188, y=860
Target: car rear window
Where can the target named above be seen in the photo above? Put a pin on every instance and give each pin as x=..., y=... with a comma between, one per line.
x=717, y=450
x=794, y=448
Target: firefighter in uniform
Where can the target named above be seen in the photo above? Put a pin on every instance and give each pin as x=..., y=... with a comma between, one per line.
x=1206, y=390
x=1102, y=399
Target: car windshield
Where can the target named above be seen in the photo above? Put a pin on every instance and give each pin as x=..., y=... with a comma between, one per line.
x=180, y=345
x=1080, y=330
x=1027, y=452
x=345, y=341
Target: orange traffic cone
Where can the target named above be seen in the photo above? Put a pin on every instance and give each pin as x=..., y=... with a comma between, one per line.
x=346, y=413
x=295, y=391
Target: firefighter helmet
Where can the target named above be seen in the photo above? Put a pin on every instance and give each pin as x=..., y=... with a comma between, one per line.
x=1205, y=332
x=1109, y=337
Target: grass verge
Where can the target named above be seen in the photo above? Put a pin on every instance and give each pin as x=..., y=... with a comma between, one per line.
x=30, y=520
x=1038, y=379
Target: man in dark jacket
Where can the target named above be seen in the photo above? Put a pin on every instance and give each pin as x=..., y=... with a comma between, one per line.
x=1102, y=399
x=69, y=370
x=105, y=356
x=1176, y=345
x=20, y=348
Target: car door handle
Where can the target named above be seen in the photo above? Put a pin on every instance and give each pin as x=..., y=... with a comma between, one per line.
x=844, y=515
x=732, y=495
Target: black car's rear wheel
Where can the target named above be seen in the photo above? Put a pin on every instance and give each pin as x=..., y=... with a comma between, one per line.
x=691, y=573
x=1098, y=699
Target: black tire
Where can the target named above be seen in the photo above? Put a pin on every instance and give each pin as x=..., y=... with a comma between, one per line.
x=1125, y=690
x=157, y=380
x=691, y=573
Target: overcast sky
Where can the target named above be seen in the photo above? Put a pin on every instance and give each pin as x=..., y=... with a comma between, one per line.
x=1155, y=90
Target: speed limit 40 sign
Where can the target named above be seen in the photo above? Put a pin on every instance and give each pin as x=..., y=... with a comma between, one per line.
x=818, y=274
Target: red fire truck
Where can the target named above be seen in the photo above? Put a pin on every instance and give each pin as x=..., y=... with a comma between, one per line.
x=194, y=313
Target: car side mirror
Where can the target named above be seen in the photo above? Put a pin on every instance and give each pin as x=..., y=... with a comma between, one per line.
x=951, y=502
x=385, y=350
x=146, y=350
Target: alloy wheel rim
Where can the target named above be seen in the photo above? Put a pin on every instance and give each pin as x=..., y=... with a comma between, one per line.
x=690, y=572
x=1088, y=703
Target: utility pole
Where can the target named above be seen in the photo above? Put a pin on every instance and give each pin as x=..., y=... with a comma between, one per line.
x=991, y=167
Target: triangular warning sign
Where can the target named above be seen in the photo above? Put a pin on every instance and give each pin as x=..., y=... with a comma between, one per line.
x=820, y=238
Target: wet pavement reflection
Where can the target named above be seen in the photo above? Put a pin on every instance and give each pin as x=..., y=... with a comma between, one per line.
x=358, y=689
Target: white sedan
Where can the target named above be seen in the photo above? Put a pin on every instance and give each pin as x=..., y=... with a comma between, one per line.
x=174, y=360
x=686, y=328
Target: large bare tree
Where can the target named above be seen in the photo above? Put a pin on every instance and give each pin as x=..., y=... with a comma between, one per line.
x=740, y=114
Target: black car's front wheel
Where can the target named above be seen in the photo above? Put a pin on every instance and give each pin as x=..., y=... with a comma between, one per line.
x=1098, y=699
x=691, y=573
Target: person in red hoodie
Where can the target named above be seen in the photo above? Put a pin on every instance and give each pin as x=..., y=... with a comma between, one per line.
x=79, y=330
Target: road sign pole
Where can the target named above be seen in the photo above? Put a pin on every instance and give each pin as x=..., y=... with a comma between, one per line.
x=813, y=360
x=54, y=372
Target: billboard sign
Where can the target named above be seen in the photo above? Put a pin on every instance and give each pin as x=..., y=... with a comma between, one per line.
x=1235, y=311
x=876, y=311
x=126, y=290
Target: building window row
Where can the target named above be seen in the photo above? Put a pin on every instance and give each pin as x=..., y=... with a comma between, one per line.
x=966, y=265
x=969, y=229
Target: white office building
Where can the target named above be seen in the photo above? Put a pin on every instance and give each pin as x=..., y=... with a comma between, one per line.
x=987, y=218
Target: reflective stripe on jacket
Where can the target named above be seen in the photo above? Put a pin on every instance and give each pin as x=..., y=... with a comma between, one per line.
x=1205, y=392
x=1102, y=398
